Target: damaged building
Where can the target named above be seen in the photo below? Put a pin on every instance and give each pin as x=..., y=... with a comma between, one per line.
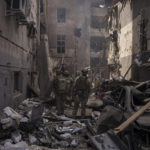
x=45, y=61
x=75, y=34
x=128, y=28
x=74, y=74
x=98, y=42
x=68, y=32
x=19, y=37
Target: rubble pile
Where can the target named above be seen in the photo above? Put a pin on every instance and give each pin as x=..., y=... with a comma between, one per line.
x=36, y=126
x=33, y=126
x=122, y=100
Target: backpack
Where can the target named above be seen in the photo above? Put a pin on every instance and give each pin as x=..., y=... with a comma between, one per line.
x=62, y=85
x=82, y=83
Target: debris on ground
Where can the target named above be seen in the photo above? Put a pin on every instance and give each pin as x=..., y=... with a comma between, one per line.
x=123, y=99
x=34, y=125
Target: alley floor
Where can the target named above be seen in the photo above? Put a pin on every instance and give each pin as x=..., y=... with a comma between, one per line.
x=35, y=126
x=109, y=123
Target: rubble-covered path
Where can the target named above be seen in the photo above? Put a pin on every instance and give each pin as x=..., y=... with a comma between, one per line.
x=35, y=126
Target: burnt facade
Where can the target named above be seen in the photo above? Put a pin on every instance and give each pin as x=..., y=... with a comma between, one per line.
x=19, y=35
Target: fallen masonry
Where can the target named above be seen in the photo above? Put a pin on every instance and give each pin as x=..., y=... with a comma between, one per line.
x=124, y=101
x=35, y=125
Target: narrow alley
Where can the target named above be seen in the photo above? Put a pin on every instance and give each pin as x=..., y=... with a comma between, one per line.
x=74, y=74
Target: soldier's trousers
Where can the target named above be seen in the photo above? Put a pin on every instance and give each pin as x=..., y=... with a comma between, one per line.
x=78, y=100
x=60, y=102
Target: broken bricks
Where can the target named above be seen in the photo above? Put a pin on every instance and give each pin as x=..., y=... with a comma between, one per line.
x=16, y=136
x=10, y=118
x=27, y=132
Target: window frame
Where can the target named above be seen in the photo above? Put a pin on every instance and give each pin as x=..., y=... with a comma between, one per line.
x=61, y=44
x=61, y=15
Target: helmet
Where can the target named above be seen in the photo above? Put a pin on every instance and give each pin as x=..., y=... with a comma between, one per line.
x=66, y=73
x=58, y=72
x=84, y=72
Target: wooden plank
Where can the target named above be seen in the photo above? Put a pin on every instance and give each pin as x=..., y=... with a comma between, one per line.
x=132, y=118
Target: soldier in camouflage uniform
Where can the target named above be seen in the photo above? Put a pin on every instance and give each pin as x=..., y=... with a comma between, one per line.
x=69, y=89
x=82, y=91
x=61, y=88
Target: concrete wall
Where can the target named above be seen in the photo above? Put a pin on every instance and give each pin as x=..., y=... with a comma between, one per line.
x=14, y=58
x=120, y=47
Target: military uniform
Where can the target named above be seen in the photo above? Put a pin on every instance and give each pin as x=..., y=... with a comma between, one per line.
x=61, y=88
x=82, y=90
x=69, y=88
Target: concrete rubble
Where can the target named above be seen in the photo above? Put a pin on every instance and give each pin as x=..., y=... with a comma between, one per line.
x=36, y=125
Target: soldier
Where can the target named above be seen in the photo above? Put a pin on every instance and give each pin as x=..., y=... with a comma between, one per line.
x=82, y=91
x=61, y=87
x=77, y=74
x=69, y=88
x=55, y=80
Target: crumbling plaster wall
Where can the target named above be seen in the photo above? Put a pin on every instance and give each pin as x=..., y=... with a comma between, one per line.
x=132, y=26
x=128, y=39
x=125, y=40
x=13, y=58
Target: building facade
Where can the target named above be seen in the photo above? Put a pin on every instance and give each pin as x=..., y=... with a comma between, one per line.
x=98, y=42
x=19, y=35
x=128, y=27
x=68, y=31
x=75, y=34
